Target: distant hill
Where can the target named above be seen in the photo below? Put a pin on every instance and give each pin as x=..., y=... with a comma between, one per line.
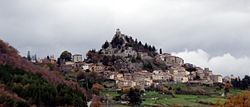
x=25, y=84
x=126, y=54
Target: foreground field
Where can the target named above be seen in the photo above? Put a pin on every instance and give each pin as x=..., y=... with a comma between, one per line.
x=155, y=99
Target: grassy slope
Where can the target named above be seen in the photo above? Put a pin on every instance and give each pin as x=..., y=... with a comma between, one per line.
x=35, y=90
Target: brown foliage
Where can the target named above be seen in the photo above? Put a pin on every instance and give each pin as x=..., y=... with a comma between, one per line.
x=96, y=88
x=9, y=56
x=96, y=101
x=6, y=93
x=125, y=90
x=94, y=56
x=242, y=100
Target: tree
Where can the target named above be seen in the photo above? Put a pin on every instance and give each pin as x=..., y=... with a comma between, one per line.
x=29, y=56
x=153, y=49
x=148, y=66
x=134, y=96
x=140, y=43
x=241, y=83
x=146, y=46
x=117, y=42
x=106, y=60
x=150, y=48
x=67, y=56
x=96, y=88
x=35, y=58
x=93, y=56
x=89, y=78
x=105, y=45
x=160, y=51
x=136, y=41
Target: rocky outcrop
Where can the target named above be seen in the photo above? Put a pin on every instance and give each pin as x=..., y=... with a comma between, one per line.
x=127, y=54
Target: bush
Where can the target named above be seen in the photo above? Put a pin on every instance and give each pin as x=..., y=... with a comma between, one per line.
x=242, y=100
x=135, y=96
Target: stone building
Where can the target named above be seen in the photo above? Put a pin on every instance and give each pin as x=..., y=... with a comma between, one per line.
x=217, y=78
x=171, y=60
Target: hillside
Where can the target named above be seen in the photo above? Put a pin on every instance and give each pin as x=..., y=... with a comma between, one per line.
x=126, y=54
x=24, y=84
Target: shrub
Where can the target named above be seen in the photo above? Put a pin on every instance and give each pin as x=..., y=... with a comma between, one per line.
x=242, y=100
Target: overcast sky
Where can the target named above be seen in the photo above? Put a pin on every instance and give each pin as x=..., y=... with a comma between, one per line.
x=208, y=33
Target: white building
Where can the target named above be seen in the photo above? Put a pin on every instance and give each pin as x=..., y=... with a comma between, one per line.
x=216, y=78
x=77, y=58
x=69, y=63
x=85, y=66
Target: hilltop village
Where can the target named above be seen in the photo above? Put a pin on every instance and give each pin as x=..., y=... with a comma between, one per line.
x=125, y=62
x=124, y=72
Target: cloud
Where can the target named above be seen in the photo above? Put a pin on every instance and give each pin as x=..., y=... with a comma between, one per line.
x=220, y=27
x=225, y=64
x=51, y=26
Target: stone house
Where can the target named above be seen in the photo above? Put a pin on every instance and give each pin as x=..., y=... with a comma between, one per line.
x=97, y=67
x=112, y=76
x=180, y=78
x=173, y=71
x=119, y=76
x=163, y=76
x=143, y=79
x=69, y=63
x=230, y=78
x=86, y=66
x=126, y=84
x=127, y=76
x=200, y=73
x=171, y=60
x=208, y=72
x=216, y=78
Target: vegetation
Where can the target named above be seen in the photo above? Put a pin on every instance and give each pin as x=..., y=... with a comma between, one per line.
x=96, y=88
x=88, y=79
x=241, y=84
x=33, y=85
x=93, y=56
x=118, y=42
x=66, y=56
x=153, y=98
x=105, y=45
x=37, y=91
x=241, y=100
x=135, y=96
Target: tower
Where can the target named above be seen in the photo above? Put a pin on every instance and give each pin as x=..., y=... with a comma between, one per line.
x=28, y=56
x=118, y=32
